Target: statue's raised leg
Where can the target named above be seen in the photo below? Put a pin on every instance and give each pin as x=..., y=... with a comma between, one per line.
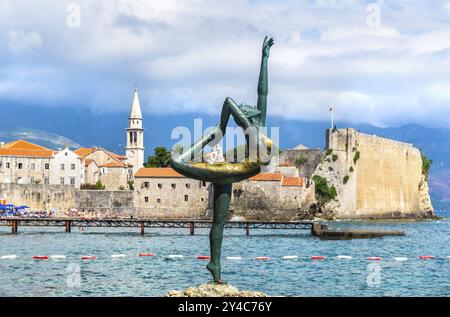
x=222, y=198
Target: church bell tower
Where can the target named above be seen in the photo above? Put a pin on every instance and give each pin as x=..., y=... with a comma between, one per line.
x=134, y=150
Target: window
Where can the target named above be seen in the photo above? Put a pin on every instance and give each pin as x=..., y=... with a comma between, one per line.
x=47, y=166
x=72, y=181
x=146, y=185
x=72, y=167
x=62, y=167
x=159, y=186
x=61, y=180
x=65, y=153
x=202, y=199
x=46, y=181
x=33, y=166
x=158, y=200
x=203, y=183
x=146, y=199
x=186, y=197
x=1, y=164
x=188, y=185
x=8, y=164
x=174, y=186
x=20, y=166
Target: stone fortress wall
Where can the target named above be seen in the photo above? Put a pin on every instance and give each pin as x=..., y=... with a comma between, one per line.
x=374, y=176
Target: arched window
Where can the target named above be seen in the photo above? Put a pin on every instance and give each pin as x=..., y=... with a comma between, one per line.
x=135, y=137
x=131, y=137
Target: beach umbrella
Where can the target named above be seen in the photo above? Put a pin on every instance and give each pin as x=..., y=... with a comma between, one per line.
x=23, y=207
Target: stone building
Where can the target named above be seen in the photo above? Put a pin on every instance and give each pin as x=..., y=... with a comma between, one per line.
x=22, y=162
x=162, y=192
x=269, y=196
x=111, y=169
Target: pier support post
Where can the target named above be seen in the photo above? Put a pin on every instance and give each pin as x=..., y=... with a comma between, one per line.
x=142, y=228
x=247, y=229
x=68, y=226
x=192, y=228
x=14, y=226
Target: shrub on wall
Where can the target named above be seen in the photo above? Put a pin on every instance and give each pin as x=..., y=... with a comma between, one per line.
x=356, y=157
x=328, y=152
x=345, y=180
x=324, y=193
x=351, y=169
x=335, y=157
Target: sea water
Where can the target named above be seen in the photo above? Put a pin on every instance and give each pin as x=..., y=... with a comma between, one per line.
x=127, y=274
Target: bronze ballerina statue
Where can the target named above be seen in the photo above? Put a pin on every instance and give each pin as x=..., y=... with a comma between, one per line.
x=223, y=174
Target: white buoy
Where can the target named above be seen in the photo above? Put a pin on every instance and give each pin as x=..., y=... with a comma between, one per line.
x=9, y=257
x=234, y=258
x=344, y=257
x=290, y=257
x=175, y=256
x=57, y=257
x=401, y=259
x=118, y=255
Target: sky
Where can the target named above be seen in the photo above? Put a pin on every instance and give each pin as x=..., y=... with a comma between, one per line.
x=385, y=63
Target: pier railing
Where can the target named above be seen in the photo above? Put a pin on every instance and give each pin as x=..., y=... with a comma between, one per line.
x=142, y=223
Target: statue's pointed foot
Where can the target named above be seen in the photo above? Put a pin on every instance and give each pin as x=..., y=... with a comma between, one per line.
x=214, y=269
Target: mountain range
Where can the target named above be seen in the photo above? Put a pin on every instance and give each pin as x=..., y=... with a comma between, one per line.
x=56, y=127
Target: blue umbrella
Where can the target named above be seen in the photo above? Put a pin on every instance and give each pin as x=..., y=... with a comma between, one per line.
x=23, y=207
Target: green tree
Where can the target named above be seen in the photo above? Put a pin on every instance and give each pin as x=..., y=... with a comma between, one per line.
x=159, y=158
x=300, y=160
x=426, y=165
x=99, y=185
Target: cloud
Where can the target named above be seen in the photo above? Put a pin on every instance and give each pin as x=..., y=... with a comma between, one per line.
x=187, y=56
x=20, y=41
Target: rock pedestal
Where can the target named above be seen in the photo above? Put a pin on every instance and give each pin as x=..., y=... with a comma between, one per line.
x=214, y=290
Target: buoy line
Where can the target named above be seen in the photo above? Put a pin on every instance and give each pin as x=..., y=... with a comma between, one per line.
x=230, y=258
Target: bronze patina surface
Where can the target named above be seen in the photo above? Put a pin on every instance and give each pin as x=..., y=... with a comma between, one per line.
x=222, y=175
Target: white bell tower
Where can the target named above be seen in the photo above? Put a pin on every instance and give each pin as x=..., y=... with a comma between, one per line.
x=134, y=150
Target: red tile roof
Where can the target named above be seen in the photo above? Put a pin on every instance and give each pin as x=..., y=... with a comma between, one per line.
x=158, y=172
x=286, y=164
x=25, y=148
x=292, y=181
x=267, y=177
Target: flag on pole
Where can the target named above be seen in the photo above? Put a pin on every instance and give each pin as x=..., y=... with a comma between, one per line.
x=331, y=109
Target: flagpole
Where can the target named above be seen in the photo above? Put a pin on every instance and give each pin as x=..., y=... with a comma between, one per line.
x=332, y=118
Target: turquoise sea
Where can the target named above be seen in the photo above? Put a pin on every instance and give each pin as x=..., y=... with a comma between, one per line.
x=131, y=275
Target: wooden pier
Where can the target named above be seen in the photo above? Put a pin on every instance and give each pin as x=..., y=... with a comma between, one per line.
x=142, y=223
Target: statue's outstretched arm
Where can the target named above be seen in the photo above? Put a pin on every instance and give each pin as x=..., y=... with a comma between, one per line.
x=263, y=82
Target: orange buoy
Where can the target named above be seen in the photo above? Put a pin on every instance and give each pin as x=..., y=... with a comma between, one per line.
x=40, y=257
x=263, y=258
x=426, y=257
x=147, y=254
x=89, y=257
x=203, y=257
x=318, y=257
x=374, y=258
